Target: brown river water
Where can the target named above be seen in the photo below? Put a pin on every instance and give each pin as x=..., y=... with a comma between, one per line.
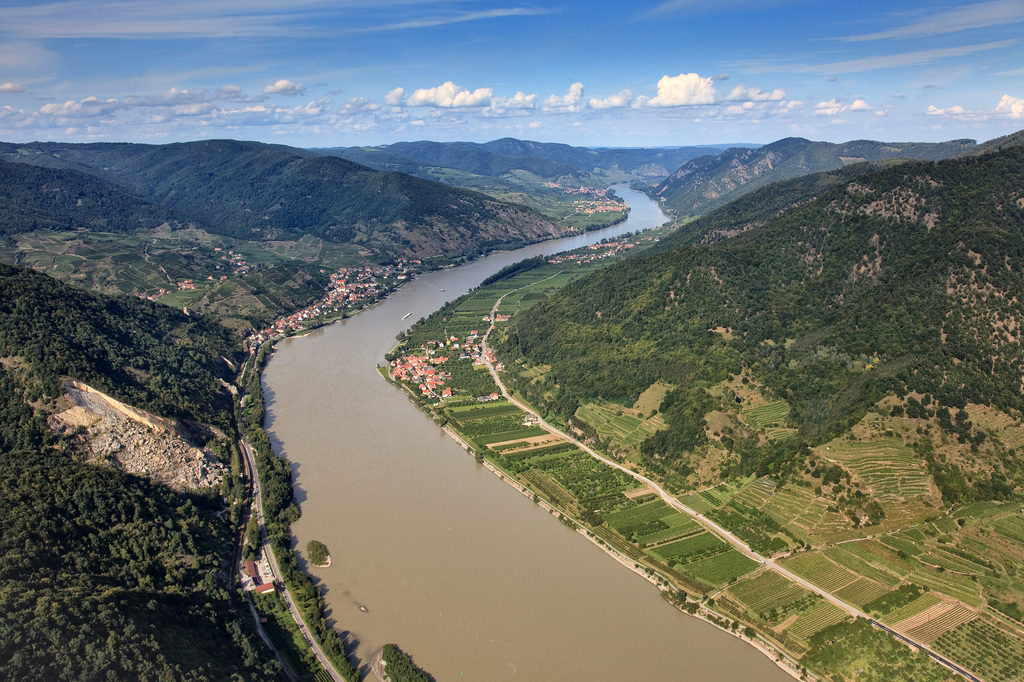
x=463, y=572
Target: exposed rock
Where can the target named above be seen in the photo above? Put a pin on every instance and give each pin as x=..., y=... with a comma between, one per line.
x=138, y=442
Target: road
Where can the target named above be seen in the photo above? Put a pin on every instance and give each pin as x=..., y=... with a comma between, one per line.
x=257, y=496
x=710, y=525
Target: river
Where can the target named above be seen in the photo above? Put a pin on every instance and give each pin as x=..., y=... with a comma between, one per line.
x=463, y=572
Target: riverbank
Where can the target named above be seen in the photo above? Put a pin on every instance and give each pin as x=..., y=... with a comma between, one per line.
x=781, y=659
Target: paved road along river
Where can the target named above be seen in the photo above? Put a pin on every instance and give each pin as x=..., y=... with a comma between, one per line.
x=459, y=569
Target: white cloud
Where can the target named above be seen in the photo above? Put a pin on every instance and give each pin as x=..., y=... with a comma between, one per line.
x=682, y=90
x=83, y=108
x=978, y=15
x=955, y=110
x=1011, y=106
x=358, y=105
x=11, y=87
x=448, y=95
x=569, y=102
x=742, y=93
x=520, y=100
x=285, y=87
x=394, y=97
x=834, y=106
x=790, y=106
x=622, y=99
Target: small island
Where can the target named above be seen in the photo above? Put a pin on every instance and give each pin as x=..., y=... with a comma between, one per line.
x=318, y=555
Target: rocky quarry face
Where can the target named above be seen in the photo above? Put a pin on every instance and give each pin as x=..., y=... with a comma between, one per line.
x=138, y=443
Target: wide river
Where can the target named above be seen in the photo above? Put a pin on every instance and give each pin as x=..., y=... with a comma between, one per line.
x=463, y=572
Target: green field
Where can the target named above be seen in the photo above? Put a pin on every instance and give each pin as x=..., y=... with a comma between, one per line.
x=985, y=648
x=770, y=595
x=721, y=569
x=815, y=619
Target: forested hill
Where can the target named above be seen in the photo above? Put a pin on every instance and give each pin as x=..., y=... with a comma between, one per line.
x=105, y=575
x=708, y=182
x=903, y=282
x=507, y=156
x=256, y=191
x=143, y=353
x=33, y=198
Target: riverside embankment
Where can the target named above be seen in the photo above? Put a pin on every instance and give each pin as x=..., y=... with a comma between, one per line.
x=468, y=576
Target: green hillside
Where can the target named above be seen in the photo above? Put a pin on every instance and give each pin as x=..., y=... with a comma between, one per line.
x=901, y=283
x=104, y=575
x=34, y=198
x=265, y=192
x=708, y=182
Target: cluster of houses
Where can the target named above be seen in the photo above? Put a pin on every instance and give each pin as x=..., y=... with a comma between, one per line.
x=348, y=288
x=595, y=252
x=596, y=199
x=422, y=369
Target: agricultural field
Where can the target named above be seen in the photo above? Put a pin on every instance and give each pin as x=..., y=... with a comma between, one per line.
x=770, y=596
x=987, y=648
x=815, y=619
x=621, y=427
x=720, y=569
x=889, y=469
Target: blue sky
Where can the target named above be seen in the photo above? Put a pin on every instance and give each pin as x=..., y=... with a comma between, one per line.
x=658, y=72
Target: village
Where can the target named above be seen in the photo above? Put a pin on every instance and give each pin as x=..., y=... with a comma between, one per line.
x=236, y=261
x=422, y=370
x=594, y=252
x=597, y=200
x=349, y=288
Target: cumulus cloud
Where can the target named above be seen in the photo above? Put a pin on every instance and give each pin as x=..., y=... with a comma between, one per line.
x=683, y=90
x=394, y=98
x=955, y=110
x=834, y=106
x=448, y=95
x=1011, y=106
x=569, y=102
x=622, y=99
x=83, y=108
x=285, y=87
x=742, y=93
x=358, y=105
x=11, y=87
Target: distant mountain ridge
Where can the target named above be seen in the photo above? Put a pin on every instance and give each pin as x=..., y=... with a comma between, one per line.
x=251, y=190
x=547, y=160
x=709, y=181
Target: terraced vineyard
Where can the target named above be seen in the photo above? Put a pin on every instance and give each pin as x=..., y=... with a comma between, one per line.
x=986, y=648
x=815, y=619
x=889, y=468
x=624, y=430
x=932, y=623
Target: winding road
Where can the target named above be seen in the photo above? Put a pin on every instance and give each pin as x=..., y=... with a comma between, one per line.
x=257, y=496
x=707, y=523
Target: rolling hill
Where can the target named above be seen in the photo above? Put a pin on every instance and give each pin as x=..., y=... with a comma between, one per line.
x=254, y=191
x=708, y=182
x=899, y=284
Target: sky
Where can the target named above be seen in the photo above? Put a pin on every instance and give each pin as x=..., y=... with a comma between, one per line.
x=323, y=73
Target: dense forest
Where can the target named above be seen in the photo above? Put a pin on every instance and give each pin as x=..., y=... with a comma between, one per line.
x=262, y=192
x=104, y=575
x=143, y=353
x=902, y=281
x=33, y=198
x=711, y=181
